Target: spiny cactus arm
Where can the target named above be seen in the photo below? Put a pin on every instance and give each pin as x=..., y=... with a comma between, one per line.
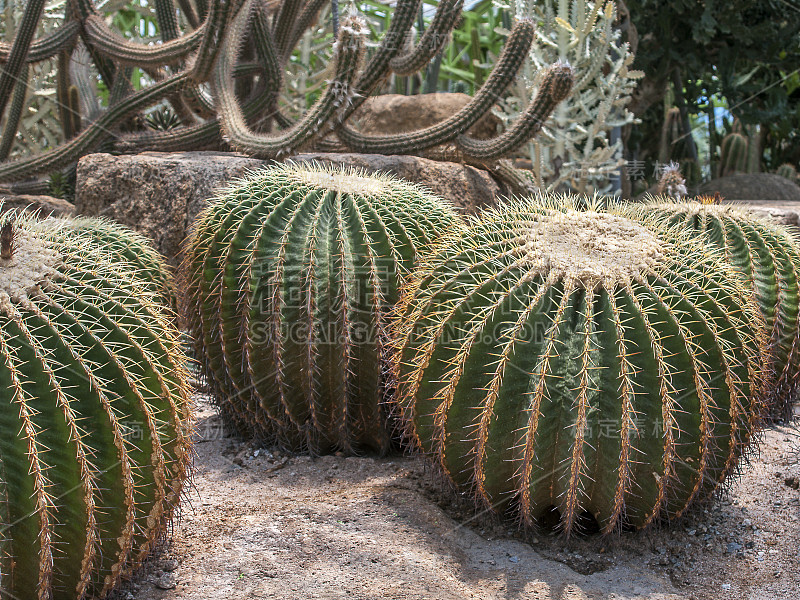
x=284, y=24
x=307, y=16
x=432, y=41
x=555, y=88
x=267, y=51
x=189, y=13
x=511, y=58
x=347, y=59
x=10, y=71
x=47, y=46
x=207, y=135
x=14, y=114
x=216, y=23
x=94, y=134
x=167, y=22
x=125, y=52
x=403, y=17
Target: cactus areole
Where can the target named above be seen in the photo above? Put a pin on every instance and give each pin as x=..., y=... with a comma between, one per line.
x=292, y=276
x=578, y=363
x=93, y=412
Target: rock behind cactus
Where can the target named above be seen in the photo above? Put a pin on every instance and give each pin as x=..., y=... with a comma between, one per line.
x=766, y=256
x=291, y=275
x=95, y=418
x=553, y=361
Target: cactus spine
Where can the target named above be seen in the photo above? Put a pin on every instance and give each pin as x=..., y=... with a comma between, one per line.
x=96, y=443
x=578, y=360
x=766, y=257
x=291, y=275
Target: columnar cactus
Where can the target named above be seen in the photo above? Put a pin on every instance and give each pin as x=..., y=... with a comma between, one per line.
x=291, y=275
x=733, y=154
x=766, y=256
x=579, y=361
x=95, y=415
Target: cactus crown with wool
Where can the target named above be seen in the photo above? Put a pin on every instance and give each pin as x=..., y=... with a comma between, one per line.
x=95, y=415
x=578, y=360
x=291, y=274
x=766, y=256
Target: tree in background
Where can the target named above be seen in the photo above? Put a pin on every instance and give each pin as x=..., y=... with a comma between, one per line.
x=713, y=58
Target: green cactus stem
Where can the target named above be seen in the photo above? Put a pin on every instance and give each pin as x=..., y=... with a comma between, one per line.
x=291, y=275
x=47, y=46
x=579, y=363
x=96, y=444
x=555, y=88
x=433, y=40
x=17, y=56
x=126, y=52
x=349, y=51
x=765, y=255
x=93, y=135
x=14, y=114
x=509, y=62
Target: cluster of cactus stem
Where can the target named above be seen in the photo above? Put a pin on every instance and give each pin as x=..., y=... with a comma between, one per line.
x=559, y=360
x=96, y=442
x=242, y=111
x=291, y=276
x=765, y=256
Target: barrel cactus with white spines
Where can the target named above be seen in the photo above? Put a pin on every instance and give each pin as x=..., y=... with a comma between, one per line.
x=553, y=359
x=95, y=414
x=291, y=275
x=766, y=256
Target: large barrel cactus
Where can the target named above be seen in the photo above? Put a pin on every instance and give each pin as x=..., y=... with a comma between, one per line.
x=126, y=246
x=291, y=276
x=766, y=256
x=94, y=413
x=577, y=363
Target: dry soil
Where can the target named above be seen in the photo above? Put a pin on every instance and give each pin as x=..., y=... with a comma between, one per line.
x=264, y=524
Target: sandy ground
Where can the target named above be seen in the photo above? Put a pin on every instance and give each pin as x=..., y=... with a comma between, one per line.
x=262, y=524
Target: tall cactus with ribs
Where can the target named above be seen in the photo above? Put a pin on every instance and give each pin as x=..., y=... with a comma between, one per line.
x=187, y=64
